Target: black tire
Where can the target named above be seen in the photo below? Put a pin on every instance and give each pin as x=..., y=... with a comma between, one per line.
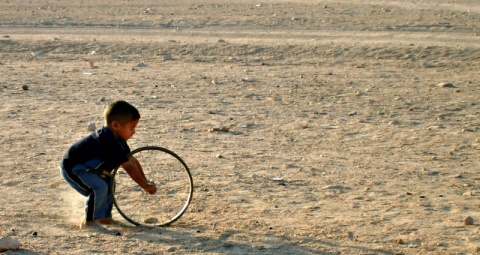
x=174, y=188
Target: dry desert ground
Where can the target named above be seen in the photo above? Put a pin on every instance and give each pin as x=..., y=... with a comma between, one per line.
x=353, y=126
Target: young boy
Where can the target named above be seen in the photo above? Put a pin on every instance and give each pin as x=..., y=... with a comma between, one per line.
x=87, y=164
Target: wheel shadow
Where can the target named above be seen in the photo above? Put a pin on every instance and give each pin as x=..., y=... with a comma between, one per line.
x=203, y=240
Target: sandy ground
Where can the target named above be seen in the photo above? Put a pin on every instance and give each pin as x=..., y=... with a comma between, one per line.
x=353, y=125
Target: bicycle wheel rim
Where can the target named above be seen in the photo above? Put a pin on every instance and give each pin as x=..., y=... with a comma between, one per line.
x=174, y=188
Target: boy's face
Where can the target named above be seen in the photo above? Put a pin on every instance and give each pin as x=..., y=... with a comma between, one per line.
x=124, y=131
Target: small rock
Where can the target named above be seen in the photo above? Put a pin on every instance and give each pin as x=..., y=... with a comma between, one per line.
x=335, y=187
x=9, y=243
x=36, y=53
x=400, y=241
x=413, y=245
x=468, y=221
x=91, y=127
x=167, y=57
x=352, y=113
x=351, y=235
x=35, y=234
x=141, y=64
x=172, y=249
x=220, y=129
x=151, y=220
x=25, y=87
x=446, y=85
x=394, y=122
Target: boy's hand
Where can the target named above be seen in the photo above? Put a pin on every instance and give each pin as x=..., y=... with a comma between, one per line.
x=151, y=188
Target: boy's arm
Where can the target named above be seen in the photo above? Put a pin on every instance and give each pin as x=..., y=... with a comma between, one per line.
x=135, y=172
x=140, y=169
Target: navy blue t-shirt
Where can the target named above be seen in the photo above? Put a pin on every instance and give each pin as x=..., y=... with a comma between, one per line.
x=100, y=146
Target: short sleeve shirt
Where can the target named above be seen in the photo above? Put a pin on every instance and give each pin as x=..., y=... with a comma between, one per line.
x=99, y=146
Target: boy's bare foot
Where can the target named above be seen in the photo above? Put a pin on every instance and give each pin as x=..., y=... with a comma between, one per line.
x=90, y=226
x=106, y=221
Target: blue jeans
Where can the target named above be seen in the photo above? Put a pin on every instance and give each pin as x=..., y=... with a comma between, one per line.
x=99, y=201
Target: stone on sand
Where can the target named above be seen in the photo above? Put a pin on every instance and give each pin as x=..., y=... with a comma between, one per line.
x=91, y=127
x=468, y=220
x=9, y=243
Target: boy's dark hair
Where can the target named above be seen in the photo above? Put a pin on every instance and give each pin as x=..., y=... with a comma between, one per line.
x=120, y=111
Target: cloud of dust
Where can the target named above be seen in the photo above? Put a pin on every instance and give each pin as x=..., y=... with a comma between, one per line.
x=74, y=206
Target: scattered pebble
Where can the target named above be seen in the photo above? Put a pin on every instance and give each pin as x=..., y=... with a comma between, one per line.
x=446, y=85
x=34, y=233
x=25, y=87
x=413, y=245
x=91, y=127
x=167, y=57
x=36, y=53
x=8, y=243
x=172, y=249
x=151, y=220
x=468, y=221
x=219, y=129
x=351, y=235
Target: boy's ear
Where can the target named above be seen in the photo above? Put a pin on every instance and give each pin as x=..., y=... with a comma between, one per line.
x=115, y=124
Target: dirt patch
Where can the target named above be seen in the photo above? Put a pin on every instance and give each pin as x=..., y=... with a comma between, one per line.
x=340, y=137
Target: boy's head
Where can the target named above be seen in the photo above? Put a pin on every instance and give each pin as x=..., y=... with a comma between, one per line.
x=122, y=118
x=121, y=112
